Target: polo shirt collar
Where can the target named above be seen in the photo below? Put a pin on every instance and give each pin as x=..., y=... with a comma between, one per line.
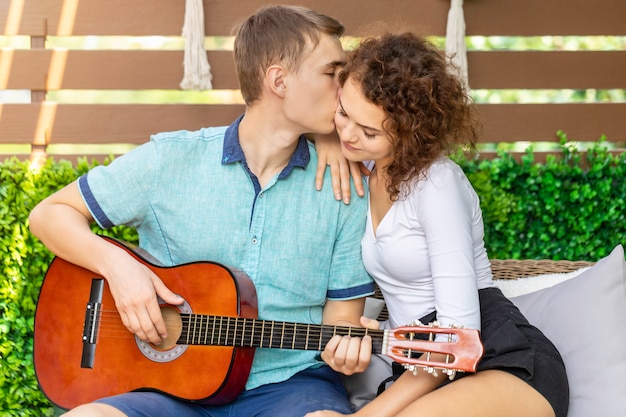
x=232, y=151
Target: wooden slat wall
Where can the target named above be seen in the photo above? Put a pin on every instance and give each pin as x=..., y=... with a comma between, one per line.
x=42, y=70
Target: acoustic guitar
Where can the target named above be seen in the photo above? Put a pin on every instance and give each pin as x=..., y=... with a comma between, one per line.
x=82, y=351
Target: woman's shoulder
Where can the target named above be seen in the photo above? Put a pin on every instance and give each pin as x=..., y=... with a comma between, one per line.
x=444, y=166
x=443, y=177
x=443, y=172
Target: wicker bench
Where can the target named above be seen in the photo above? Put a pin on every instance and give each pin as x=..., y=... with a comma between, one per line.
x=514, y=268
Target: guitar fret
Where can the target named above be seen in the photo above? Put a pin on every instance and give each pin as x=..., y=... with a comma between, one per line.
x=235, y=337
x=293, y=340
x=306, y=342
x=236, y=328
x=243, y=331
x=225, y=331
x=270, y=336
x=219, y=333
x=198, y=331
x=319, y=347
x=190, y=329
x=206, y=329
x=213, y=325
x=214, y=330
x=209, y=327
x=282, y=336
x=195, y=328
x=184, y=335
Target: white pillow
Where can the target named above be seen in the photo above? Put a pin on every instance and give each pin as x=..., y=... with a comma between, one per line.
x=584, y=316
x=526, y=285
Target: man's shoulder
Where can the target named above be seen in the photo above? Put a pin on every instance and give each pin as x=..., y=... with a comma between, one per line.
x=327, y=189
x=206, y=134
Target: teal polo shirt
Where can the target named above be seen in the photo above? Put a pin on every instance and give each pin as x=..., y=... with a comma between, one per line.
x=192, y=198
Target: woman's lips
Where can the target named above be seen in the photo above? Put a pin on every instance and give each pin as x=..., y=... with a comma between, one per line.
x=349, y=147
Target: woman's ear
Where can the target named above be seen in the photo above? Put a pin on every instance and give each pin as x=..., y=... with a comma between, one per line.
x=275, y=77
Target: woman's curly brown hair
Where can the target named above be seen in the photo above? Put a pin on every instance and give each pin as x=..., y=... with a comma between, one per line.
x=428, y=112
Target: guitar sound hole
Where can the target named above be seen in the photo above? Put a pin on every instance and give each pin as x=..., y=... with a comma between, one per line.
x=167, y=350
x=174, y=327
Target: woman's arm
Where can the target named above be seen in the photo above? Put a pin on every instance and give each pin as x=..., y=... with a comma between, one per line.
x=329, y=154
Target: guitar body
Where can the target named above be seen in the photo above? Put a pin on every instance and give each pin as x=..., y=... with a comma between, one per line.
x=207, y=374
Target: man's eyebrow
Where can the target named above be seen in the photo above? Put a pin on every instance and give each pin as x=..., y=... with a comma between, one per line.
x=335, y=64
x=359, y=124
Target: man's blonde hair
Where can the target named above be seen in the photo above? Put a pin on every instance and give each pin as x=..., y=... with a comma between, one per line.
x=277, y=34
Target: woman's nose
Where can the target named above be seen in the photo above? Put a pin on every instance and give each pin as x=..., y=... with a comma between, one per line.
x=346, y=132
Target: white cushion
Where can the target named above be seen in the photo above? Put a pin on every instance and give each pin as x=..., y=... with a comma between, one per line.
x=584, y=317
x=526, y=285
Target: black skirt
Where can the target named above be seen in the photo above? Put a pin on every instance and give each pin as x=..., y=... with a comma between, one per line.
x=515, y=346
x=511, y=344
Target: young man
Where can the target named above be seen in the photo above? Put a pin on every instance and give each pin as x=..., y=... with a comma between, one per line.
x=240, y=195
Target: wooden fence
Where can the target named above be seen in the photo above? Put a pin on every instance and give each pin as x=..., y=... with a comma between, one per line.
x=41, y=70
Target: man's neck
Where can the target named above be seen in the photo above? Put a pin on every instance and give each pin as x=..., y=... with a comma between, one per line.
x=266, y=143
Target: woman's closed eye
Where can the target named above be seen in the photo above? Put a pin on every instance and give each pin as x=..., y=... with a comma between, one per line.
x=341, y=112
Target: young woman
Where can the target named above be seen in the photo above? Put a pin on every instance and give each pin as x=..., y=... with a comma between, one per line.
x=403, y=112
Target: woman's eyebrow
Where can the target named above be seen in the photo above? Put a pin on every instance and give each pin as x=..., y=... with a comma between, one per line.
x=359, y=124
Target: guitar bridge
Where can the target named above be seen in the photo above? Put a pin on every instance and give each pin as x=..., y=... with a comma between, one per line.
x=92, y=319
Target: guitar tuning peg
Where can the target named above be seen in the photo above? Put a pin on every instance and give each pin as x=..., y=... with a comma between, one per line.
x=410, y=368
x=432, y=370
x=451, y=373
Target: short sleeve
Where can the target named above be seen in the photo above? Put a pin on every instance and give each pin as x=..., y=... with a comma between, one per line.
x=119, y=193
x=349, y=279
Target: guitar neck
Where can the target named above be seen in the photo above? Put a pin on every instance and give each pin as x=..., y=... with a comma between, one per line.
x=198, y=329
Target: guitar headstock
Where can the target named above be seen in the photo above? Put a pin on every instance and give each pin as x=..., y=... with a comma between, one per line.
x=461, y=351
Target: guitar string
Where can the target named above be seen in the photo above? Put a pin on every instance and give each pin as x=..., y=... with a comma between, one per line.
x=110, y=325
x=285, y=329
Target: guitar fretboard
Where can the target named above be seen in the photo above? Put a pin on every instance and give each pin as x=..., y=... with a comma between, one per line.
x=201, y=329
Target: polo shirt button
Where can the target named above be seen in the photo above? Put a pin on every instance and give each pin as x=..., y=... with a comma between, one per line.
x=255, y=240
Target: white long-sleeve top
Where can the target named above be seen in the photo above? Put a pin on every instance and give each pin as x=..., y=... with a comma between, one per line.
x=428, y=252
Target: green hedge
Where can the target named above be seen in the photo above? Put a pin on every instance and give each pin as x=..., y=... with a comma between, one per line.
x=24, y=261
x=571, y=207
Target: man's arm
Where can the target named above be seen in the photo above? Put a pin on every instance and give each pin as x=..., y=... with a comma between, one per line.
x=62, y=222
x=348, y=354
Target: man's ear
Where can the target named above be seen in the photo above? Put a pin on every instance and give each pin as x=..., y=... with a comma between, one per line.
x=275, y=77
